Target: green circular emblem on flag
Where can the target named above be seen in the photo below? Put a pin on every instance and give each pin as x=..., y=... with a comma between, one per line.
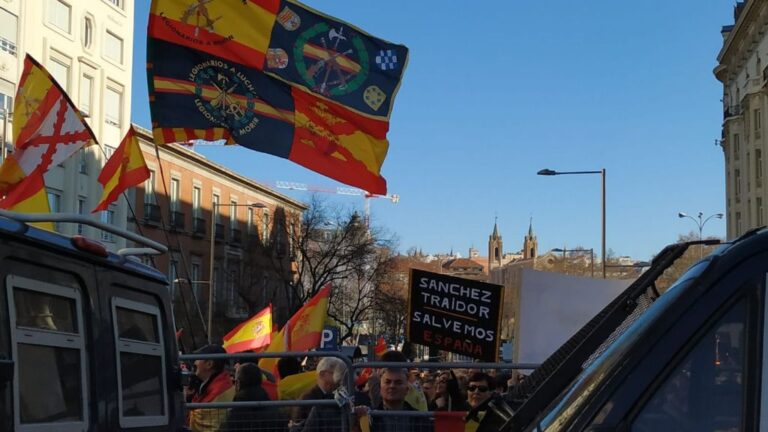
x=332, y=61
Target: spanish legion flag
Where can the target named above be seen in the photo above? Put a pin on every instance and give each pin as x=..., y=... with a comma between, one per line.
x=251, y=334
x=303, y=330
x=124, y=169
x=47, y=128
x=276, y=77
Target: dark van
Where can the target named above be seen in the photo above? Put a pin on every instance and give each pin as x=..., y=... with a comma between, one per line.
x=87, y=340
x=692, y=358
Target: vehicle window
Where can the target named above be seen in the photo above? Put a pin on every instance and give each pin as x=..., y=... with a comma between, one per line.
x=49, y=348
x=704, y=392
x=136, y=325
x=140, y=356
x=45, y=311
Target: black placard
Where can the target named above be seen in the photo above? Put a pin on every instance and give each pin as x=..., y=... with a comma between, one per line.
x=455, y=314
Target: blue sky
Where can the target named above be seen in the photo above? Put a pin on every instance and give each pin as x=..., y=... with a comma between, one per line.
x=500, y=89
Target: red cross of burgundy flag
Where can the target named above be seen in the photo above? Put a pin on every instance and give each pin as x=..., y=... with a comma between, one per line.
x=125, y=168
x=47, y=128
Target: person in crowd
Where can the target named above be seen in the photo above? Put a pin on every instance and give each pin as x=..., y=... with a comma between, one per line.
x=248, y=380
x=330, y=374
x=480, y=387
x=415, y=396
x=501, y=380
x=429, y=386
x=448, y=394
x=215, y=386
x=393, y=389
x=287, y=366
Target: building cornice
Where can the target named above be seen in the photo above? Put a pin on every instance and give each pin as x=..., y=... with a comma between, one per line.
x=742, y=39
x=735, y=33
x=183, y=153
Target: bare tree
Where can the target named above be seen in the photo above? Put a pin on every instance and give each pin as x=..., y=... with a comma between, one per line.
x=690, y=257
x=353, y=299
x=326, y=245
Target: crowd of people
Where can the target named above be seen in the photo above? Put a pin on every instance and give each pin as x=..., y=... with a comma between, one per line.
x=399, y=389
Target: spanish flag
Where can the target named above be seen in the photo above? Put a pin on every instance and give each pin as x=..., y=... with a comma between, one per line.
x=254, y=333
x=303, y=331
x=124, y=169
x=29, y=196
x=47, y=128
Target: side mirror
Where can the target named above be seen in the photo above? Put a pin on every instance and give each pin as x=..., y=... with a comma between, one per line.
x=6, y=370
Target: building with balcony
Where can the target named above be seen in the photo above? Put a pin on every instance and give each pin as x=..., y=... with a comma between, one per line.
x=743, y=70
x=87, y=46
x=188, y=201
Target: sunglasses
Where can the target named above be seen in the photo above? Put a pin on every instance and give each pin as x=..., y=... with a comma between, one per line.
x=474, y=388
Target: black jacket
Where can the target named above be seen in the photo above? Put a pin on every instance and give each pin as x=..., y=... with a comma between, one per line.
x=262, y=419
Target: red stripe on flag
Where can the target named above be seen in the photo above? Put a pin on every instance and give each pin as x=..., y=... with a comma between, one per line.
x=251, y=344
x=127, y=179
x=268, y=5
x=169, y=136
x=449, y=421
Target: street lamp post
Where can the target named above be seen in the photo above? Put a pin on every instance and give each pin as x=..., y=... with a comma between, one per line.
x=591, y=257
x=211, y=282
x=549, y=172
x=700, y=223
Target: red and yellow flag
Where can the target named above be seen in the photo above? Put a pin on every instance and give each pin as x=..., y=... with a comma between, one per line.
x=381, y=347
x=126, y=168
x=303, y=331
x=254, y=333
x=29, y=196
x=47, y=128
x=306, y=325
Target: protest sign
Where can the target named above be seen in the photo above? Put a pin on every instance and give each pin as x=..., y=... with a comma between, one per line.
x=454, y=314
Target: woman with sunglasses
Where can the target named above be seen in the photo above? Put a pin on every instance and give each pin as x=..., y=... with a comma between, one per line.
x=479, y=389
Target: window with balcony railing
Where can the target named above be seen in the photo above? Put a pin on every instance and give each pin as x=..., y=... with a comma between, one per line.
x=198, y=226
x=177, y=220
x=116, y=3
x=8, y=29
x=108, y=217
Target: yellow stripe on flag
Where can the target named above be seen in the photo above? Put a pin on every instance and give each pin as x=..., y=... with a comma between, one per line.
x=244, y=22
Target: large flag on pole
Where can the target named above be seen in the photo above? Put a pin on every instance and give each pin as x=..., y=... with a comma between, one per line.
x=253, y=333
x=47, y=128
x=303, y=330
x=276, y=77
x=125, y=168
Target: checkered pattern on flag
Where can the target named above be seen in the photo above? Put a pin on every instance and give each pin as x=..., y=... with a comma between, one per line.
x=47, y=128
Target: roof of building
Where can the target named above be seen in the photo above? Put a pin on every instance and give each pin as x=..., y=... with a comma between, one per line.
x=462, y=263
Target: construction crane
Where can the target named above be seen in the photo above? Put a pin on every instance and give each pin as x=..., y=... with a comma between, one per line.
x=339, y=191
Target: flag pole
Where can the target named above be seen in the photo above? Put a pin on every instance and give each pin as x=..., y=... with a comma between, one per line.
x=3, y=147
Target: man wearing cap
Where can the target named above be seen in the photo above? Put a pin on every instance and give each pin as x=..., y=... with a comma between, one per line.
x=216, y=386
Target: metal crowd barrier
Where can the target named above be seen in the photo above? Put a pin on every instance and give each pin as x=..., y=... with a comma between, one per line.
x=322, y=415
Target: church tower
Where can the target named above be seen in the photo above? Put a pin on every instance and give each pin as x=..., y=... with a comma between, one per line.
x=495, y=248
x=530, y=244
